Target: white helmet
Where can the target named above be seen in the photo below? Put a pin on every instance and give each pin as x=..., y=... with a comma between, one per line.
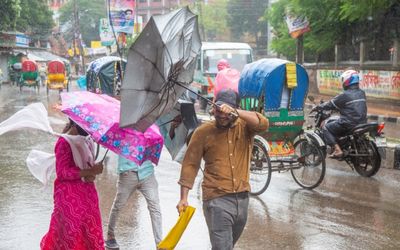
x=349, y=77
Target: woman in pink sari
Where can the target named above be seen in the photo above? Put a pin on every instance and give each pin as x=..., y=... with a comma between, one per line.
x=76, y=222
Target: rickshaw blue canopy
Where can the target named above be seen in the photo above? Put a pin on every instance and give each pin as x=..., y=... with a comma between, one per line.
x=267, y=77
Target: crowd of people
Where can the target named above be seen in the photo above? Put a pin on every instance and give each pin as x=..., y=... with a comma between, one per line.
x=76, y=221
x=225, y=146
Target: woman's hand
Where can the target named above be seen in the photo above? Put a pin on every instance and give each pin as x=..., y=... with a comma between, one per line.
x=89, y=178
x=97, y=168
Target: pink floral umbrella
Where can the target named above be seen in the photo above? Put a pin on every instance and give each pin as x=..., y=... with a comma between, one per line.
x=99, y=116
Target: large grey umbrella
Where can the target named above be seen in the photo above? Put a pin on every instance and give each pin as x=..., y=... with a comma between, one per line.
x=160, y=64
x=176, y=126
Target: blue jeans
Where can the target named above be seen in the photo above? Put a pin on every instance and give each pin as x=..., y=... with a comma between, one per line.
x=226, y=217
x=127, y=184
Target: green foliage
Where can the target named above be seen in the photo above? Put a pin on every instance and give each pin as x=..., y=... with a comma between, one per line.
x=246, y=17
x=9, y=10
x=35, y=19
x=355, y=11
x=334, y=22
x=213, y=19
x=89, y=12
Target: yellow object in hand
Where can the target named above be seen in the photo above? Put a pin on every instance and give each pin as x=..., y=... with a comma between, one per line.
x=174, y=235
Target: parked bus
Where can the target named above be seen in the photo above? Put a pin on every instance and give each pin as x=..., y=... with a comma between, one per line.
x=237, y=54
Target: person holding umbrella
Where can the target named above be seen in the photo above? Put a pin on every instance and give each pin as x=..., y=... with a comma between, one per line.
x=76, y=220
x=98, y=115
x=225, y=145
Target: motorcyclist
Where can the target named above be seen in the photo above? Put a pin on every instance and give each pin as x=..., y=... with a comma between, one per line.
x=352, y=107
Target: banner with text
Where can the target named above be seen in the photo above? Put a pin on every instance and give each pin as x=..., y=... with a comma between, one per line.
x=375, y=83
x=106, y=35
x=297, y=25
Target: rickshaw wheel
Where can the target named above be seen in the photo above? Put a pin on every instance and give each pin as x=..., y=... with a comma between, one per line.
x=310, y=169
x=47, y=90
x=260, y=169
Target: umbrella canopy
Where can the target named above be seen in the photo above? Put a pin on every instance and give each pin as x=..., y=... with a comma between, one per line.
x=99, y=114
x=160, y=62
x=176, y=126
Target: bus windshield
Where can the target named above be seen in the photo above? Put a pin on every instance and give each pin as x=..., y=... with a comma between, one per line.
x=237, y=58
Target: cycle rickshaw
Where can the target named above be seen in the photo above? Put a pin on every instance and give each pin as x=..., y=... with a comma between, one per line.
x=277, y=88
x=104, y=75
x=29, y=75
x=57, y=76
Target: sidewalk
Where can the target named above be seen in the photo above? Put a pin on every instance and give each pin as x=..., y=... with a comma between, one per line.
x=388, y=111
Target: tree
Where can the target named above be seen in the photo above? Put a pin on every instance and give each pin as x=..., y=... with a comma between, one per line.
x=89, y=12
x=9, y=10
x=246, y=17
x=213, y=19
x=345, y=22
x=35, y=19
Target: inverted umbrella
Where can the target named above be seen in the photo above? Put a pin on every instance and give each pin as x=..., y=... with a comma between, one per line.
x=160, y=65
x=177, y=125
x=99, y=116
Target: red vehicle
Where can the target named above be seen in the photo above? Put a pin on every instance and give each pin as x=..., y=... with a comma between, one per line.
x=29, y=75
x=57, y=76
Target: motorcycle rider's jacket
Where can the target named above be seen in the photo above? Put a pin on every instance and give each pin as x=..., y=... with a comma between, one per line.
x=352, y=105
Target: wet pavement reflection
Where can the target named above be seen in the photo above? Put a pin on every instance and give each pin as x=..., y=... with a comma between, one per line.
x=346, y=212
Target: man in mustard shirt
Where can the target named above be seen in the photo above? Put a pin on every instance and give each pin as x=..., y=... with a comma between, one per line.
x=225, y=145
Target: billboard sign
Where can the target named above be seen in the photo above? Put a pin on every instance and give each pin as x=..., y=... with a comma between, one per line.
x=297, y=25
x=122, y=15
x=106, y=35
x=22, y=40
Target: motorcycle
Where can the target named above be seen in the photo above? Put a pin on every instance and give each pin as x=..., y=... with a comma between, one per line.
x=363, y=146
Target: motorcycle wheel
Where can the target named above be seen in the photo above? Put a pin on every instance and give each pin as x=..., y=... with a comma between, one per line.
x=310, y=171
x=260, y=169
x=367, y=166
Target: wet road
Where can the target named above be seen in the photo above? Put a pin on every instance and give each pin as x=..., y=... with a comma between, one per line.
x=345, y=212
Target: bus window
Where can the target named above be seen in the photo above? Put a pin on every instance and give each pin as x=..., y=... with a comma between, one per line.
x=237, y=59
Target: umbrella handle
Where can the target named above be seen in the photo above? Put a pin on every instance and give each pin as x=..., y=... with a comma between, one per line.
x=204, y=98
x=104, y=157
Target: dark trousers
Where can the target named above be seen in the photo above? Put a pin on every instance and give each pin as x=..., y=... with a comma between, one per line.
x=333, y=130
x=226, y=217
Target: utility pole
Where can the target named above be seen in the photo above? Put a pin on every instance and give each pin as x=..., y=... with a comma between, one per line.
x=299, y=50
x=136, y=24
x=199, y=5
x=78, y=37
